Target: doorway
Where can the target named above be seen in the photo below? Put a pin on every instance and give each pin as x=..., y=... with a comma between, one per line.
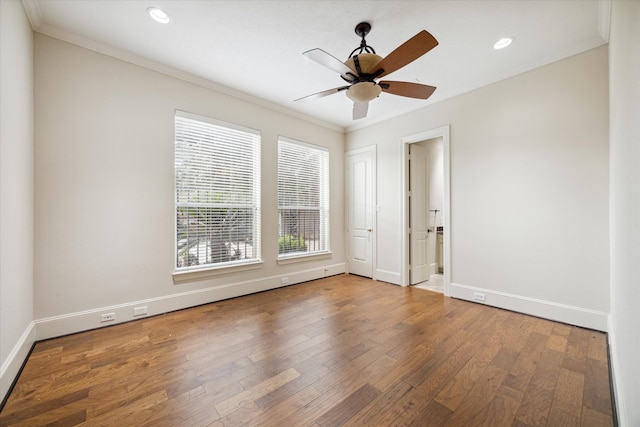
x=426, y=220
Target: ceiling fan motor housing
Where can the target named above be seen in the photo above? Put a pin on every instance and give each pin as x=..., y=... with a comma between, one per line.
x=366, y=62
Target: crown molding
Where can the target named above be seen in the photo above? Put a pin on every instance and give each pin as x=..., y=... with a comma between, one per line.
x=33, y=13
x=604, y=19
x=129, y=57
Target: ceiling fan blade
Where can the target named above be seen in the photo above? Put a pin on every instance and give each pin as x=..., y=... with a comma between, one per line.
x=408, y=89
x=329, y=61
x=360, y=110
x=407, y=52
x=322, y=94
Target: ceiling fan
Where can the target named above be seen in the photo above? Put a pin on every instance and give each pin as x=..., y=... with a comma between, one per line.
x=364, y=67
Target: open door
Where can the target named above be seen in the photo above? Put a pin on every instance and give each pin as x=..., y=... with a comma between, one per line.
x=419, y=267
x=435, y=176
x=360, y=218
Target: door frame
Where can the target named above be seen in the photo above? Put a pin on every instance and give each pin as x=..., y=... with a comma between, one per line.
x=374, y=204
x=444, y=133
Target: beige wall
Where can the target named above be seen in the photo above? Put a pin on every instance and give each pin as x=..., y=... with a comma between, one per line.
x=104, y=212
x=16, y=190
x=529, y=189
x=625, y=207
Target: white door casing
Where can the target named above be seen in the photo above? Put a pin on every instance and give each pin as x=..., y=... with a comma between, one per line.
x=360, y=206
x=444, y=133
x=418, y=215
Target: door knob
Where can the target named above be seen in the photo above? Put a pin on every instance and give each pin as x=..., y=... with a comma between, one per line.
x=369, y=230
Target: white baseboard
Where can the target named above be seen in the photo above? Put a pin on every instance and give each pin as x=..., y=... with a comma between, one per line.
x=433, y=268
x=388, y=276
x=90, y=319
x=617, y=388
x=572, y=315
x=12, y=365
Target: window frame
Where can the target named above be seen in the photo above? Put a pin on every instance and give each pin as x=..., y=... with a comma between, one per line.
x=185, y=273
x=324, y=209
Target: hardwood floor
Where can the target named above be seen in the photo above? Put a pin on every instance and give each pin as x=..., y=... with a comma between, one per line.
x=341, y=351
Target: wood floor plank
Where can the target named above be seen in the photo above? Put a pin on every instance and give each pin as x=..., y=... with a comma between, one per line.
x=544, y=327
x=183, y=410
x=479, y=398
x=135, y=412
x=503, y=408
x=402, y=367
x=519, y=328
x=413, y=404
x=433, y=415
x=344, y=350
x=346, y=409
x=36, y=410
x=593, y=418
x=274, y=416
x=439, y=355
x=523, y=368
x=538, y=397
x=505, y=358
x=597, y=394
x=227, y=406
x=456, y=390
x=290, y=389
x=576, y=352
x=361, y=370
x=597, y=349
x=379, y=406
x=557, y=343
x=567, y=399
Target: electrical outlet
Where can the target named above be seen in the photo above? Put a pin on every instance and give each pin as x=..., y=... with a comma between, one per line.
x=140, y=311
x=284, y=280
x=107, y=317
x=478, y=296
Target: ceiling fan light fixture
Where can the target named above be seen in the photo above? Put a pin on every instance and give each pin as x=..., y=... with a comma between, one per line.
x=503, y=42
x=159, y=15
x=363, y=91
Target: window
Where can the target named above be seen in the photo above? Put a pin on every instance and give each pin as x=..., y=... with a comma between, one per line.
x=303, y=198
x=217, y=167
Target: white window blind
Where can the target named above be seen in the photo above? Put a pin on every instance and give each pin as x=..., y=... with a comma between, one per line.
x=217, y=179
x=303, y=198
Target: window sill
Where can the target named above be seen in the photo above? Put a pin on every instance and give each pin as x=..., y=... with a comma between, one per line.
x=303, y=258
x=204, y=273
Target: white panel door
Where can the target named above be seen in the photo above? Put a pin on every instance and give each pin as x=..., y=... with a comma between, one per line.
x=360, y=216
x=418, y=214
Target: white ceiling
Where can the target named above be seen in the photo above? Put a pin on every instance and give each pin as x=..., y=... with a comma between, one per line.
x=253, y=49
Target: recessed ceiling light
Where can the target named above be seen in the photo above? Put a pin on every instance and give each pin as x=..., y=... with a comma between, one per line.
x=158, y=15
x=503, y=42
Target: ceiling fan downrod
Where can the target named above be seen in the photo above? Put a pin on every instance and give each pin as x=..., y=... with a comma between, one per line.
x=362, y=29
